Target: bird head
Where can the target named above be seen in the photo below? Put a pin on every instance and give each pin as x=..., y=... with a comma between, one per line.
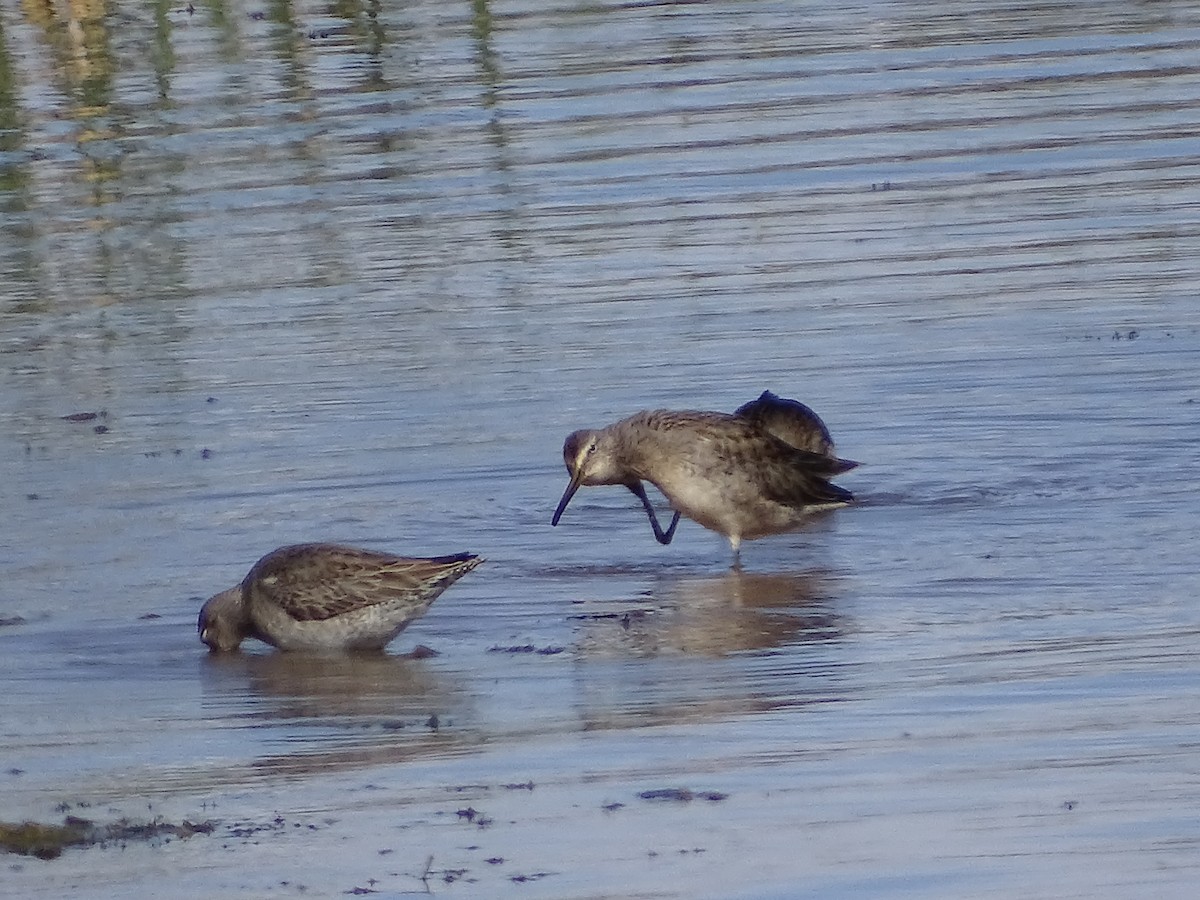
x=590, y=460
x=223, y=624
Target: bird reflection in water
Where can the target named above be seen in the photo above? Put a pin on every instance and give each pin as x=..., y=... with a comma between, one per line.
x=706, y=649
x=713, y=616
x=336, y=712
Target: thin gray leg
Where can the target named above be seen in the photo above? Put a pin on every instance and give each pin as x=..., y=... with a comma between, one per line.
x=663, y=537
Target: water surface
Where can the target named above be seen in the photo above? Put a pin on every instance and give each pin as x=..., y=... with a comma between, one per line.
x=353, y=273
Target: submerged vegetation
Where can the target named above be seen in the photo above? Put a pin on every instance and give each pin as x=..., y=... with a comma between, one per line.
x=49, y=841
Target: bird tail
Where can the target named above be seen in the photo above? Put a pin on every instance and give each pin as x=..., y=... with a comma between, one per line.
x=838, y=466
x=835, y=494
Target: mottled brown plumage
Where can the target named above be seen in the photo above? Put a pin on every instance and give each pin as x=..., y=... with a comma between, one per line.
x=328, y=597
x=743, y=475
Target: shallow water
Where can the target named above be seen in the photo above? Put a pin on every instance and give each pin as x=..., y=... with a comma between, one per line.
x=353, y=273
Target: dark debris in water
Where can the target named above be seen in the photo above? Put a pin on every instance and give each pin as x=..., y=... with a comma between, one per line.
x=449, y=876
x=253, y=829
x=533, y=876
x=624, y=618
x=49, y=841
x=420, y=652
x=682, y=795
x=1126, y=334
x=475, y=817
x=528, y=648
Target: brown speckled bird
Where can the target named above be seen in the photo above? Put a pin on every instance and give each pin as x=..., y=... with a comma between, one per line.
x=327, y=597
x=760, y=471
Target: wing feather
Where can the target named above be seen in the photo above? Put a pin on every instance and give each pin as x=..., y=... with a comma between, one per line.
x=784, y=473
x=315, y=582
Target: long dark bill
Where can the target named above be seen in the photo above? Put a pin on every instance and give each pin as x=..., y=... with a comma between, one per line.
x=566, y=498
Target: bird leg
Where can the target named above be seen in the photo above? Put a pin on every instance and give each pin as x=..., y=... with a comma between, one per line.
x=663, y=537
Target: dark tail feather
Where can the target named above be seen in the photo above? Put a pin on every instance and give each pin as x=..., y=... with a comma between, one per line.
x=822, y=464
x=453, y=558
x=834, y=494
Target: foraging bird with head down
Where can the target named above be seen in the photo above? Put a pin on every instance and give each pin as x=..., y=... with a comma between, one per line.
x=327, y=597
x=760, y=471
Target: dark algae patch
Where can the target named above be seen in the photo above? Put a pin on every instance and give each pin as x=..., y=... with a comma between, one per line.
x=682, y=795
x=49, y=841
x=527, y=648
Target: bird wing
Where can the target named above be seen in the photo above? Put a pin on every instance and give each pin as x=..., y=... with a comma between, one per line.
x=791, y=421
x=783, y=473
x=716, y=445
x=796, y=424
x=800, y=485
x=322, y=581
